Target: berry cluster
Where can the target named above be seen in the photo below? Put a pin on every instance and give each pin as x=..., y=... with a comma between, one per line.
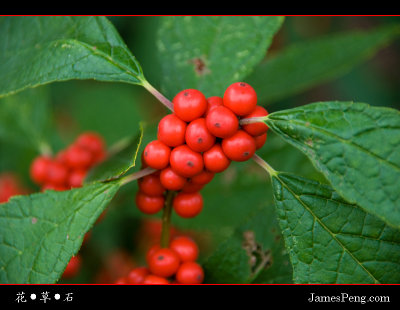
x=69, y=167
x=174, y=264
x=199, y=139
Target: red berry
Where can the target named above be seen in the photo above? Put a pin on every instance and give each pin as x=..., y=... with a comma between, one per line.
x=240, y=147
x=191, y=187
x=149, y=204
x=156, y=155
x=241, y=98
x=203, y=177
x=137, y=275
x=78, y=157
x=91, y=141
x=198, y=137
x=121, y=281
x=153, y=249
x=164, y=262
x=185, y=247
x=188, y=205
x=215, y=159
x=152, y=279
x=171, y=130
x=260, y=141
x=76, y=177
x=57, y=174
x=185, y=161
x=39, y=168
x=9, y=186
x=189, y=104
x=151, y=185
x=190, y=273
x=259, y=128
x=222, y=122
x=171, y=180
x=212, y=103
x=73, y=267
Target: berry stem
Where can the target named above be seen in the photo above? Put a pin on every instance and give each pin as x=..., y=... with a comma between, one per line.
x=137, y=175
x=251, y=120
x=45, y=149
x=166, y=219
x=264, y=165
x=158, y=95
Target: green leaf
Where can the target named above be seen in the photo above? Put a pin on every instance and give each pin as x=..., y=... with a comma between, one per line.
x=211, y=52
x=36, y=50
x=39, y=233
x=254, y=253
x=355, y=146
x=24, y=118
x=307, y=64
x=330, y=240
x=122, y=158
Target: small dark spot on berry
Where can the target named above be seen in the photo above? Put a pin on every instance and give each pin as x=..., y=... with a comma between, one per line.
x=218, y=125
x=145, y=153
x=186, y=93
x=246, y=154
x=160, y=257
x=199, y=277
x=190, y=163
x=200, y=140
x=242, y=84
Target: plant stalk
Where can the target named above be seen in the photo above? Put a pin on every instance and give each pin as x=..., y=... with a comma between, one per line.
x=251, y=120
x=166, y=219
x=158, y=95
x=137, y=175
x=263, y=164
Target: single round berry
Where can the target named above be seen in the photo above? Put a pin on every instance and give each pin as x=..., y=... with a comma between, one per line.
x=198, y=137
x=172, y=180
x=191, y=187
x=73, y=267
x=203, y=177
x=260, y=141
x=39, y=168
x=189, y=104
x=241, y=98
x=171, y=130
x=153, y=249
x=185, y=247
x=164, y=262
x=188, y=205
x=57, y=174
x=77, y=157
x=215, y=159
x=91, y=141
x=137, y=275
x=259, y=128
x=153, y=279
x=240, y=147
x=156, y=155
x=9, y=186
x=212, y=103
x=121, y=281
x=76, y=177
x=222, y=122
x=151, y=185
x=190, y=273
x=149, y=204
x=186, y=162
